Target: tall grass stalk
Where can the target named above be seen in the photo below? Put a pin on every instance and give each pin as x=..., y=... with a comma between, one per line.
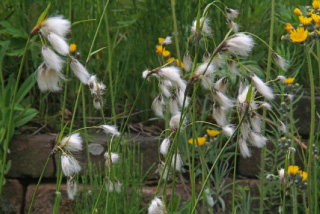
x=10, y=124
x=263, y=153
x=176, y=39
x=312, y=123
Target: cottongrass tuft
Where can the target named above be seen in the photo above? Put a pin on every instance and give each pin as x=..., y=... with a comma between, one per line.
x=244, y=149
x=175, y=121
x=145, y=73
x=171, y=72
x=113, y=186
x=219, y=114
x=206, y=56
x=257, y=140
x=72, y=188
x=156, y=206
x=187, y=61
x=163, y=170
x=241, y=44
x=173, y=104
x=79, y=70
x=48, y=79
x=164, y=147
x=256, y=123
x=228, y=130
x=69, y=165
x=281, y=78
x=231, y=13
x=266, y=105
x=111, y=130
x=58, y=43
x=73, y=142
x=231, y=24
x=52, y=60
x=205, y=69
x=261, y=87
x=205, y=23
x=179, y=163
x=167, y=41
x=280, y=61
x=57, y=25
x=223, y=100
x=157, y=106
x=165, y=86
x=221, y=84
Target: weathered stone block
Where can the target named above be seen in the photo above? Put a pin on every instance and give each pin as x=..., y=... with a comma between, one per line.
x=11, y=200
x=29, y=154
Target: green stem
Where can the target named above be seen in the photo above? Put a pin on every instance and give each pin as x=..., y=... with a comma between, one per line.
x=234, y=176
x=175, y=30
x=318, y=57
x=214, y=164
x=294, y=200
x=39, y=181
x=312, y=123
x=263, y=153
x=10, y=124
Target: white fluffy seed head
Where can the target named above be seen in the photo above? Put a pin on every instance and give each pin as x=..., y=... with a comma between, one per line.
x=218, y=60
x=280, y=61
x=96, y=88
x=47, y=79
x=113, y=186
x=163, y=170
x=228, y=130
x=167, y=41
x=95, y=148
x=206, y=82
x=257, y=140
x=72, y=188
x=187, y=62
x=175, y=120
x=282, y=175
x=261, y=87
x=206, y=56
x=244, y=149
x=57, y=25
x=174, y=108
x=179, y=163
x=266, y=105
x=157, y=106
x=241, y=44
x=52, y=60
x=205, y=23
x=256, y=123
x=164, y=147
x=221, y=84
x=219, y=114
x=281, y=78
x=243, y=95
x=205, y=69
x=58, y=43
x=231, y=24
x=231, y=13
x=165, y=86
x=145, y=73
x=111, y=130
x=69, y=165
x=97, y=104
x=171, y=73
x=115, y=158
x=79, y=70
x=73, y=142
x=282, y=126
x=223, y=100
x=245, y=129
x=156, y=207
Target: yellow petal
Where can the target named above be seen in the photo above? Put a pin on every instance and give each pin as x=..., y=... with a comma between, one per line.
x=170, y=59
x=159, y=49
x=297, y=11
x=165, y=53
x=161, y=40
x=293, y=170
x=73, y=48
x=212, y=133
x=290, y=80
x=200, y=141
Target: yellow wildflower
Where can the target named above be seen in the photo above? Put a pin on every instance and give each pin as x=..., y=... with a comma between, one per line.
x=299, y=35
x=289, y=27
x=289, y=80
x=170, y=59
x=200, y=141
x=293, y=170
x=316, y=4
x=297, y=11
x=180, y=65
x=305, y=20
x=161, y=40
x=316, y=18
x=212, y=133
x=160, y=50
x=303, y=174
x=73, y=48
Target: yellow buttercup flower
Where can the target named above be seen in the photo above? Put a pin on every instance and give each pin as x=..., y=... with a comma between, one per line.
x=200, y=141
x=289, y=80
x=293, y=170
x=316, y=18
x=170, y=59
x=73, y=48
x=289, y=28
x=297, y=11
x=181, y=65
x=299, y=35
x=305, y=20
x=212, y=133
x=160, y=50
x=161, y=40
x=303, y=174
x=316, y=4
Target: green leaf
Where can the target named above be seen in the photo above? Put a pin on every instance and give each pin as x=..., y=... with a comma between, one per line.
x=43, y=15
x=248, y=98
x=25, y=87
x=82, y=21
x=27, y=116
x=12, y=31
